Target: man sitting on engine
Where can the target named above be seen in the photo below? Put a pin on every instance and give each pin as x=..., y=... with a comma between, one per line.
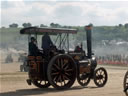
x=78, y=48
x=46, y=43
x=33, y=49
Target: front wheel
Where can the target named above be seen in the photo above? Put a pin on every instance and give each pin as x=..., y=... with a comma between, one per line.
x=126, y=83
x=61, y=72
x=100, y=77
x=84, y=79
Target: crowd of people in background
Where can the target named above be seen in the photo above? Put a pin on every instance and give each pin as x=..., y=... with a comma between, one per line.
x=114, y=59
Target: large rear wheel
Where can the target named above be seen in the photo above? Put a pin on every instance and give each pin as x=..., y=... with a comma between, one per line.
x=61, y=72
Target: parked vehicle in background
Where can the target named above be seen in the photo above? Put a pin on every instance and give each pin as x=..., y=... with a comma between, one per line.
x=9, y=58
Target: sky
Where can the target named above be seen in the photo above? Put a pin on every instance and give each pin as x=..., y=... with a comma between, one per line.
x=64, y=12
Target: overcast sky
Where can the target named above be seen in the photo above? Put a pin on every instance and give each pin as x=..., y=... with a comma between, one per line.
x=64, y=12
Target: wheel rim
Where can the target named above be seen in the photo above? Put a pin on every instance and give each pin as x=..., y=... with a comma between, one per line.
x=41, y=83
x=62, y=72
x=84, y=79
x=100, y=77
x=126, y=83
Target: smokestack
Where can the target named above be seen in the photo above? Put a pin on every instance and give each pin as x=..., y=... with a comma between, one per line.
x=89, y=40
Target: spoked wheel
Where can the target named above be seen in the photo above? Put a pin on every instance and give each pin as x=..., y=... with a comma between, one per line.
x=61, y=72
x=41, y=83
x=83, y=79
x=126, y=83
x=100, y=77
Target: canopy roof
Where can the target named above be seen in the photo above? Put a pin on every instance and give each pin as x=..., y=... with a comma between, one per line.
x=51, y=31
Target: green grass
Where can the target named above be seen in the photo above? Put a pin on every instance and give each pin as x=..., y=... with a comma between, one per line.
x=12, y=37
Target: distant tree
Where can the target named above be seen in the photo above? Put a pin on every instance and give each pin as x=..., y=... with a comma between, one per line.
x=3, y=27
x=55, y=25
x=126, y=25
x=52, y=25
x=120, y=25
x=69, y=26
x=64, y=26
x=29, y=24
x=14, y=25
x=91, y=24
x=36, y=26
x=42, y=25
x=26, y=25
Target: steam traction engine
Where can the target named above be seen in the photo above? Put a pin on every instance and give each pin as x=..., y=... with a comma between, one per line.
x=62, y=67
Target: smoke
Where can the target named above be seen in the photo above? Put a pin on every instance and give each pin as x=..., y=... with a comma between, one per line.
x=5, y=52
x=14, y=51
x=111, y=50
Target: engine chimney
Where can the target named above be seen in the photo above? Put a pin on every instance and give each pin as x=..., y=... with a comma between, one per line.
x=89, y=39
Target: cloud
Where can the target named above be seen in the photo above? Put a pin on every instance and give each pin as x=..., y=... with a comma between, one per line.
x=64, y=12
x=14, y=12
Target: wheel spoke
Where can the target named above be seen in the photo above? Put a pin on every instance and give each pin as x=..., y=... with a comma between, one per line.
x=66, y=77
x=103, y=79
x=56, y=73
x=100, y=71
x=58, y=63
x=97, y=74
x=103, y=73
x=58, y=79
x=66, y=67
x=69, y=70
x=45, y=82
x=101, y=82
x=57, y=66
x=53, y=69
x=63, y=79
x=65, y=62
x=40, y=82
x=84, y=81
x=61, y=63
x=67, y=74
x=55, y=78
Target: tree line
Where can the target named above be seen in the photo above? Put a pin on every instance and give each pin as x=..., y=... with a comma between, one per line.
x=53, y=25
x=119, y=31
x=25, y=25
